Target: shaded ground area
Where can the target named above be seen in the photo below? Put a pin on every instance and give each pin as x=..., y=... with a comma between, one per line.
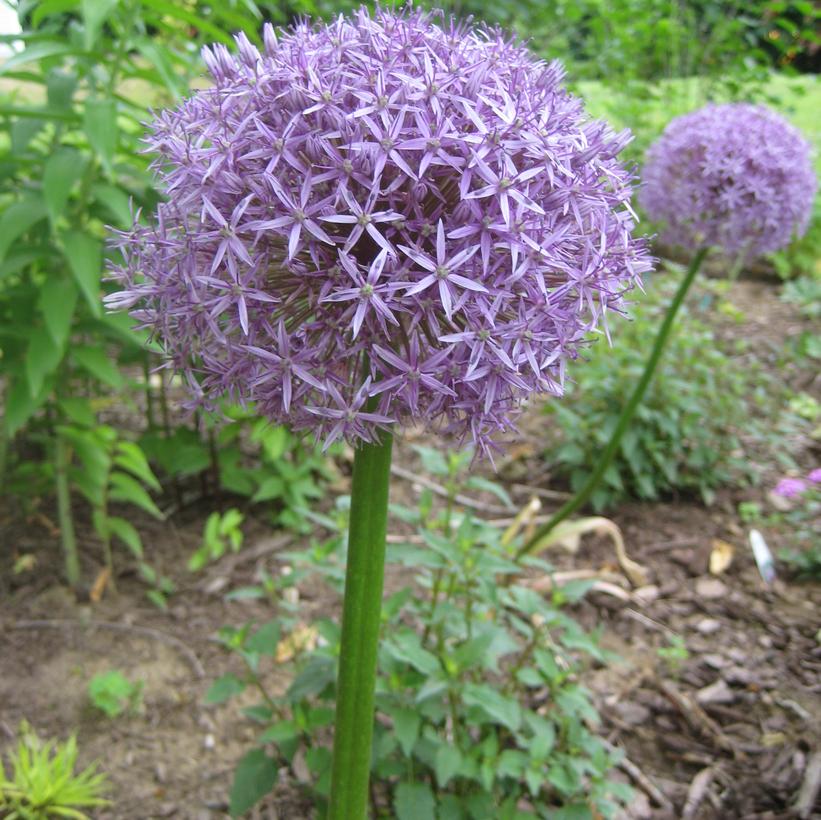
x=724, y=722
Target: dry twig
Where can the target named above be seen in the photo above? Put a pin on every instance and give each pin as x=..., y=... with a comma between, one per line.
x=697, y=791
x=641, y=780
x=697, y=718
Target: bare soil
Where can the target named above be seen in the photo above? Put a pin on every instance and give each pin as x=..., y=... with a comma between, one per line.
x=732, y=730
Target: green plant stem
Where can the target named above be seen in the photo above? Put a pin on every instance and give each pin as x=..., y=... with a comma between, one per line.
x=581, y=497
x=64, y=518
x=360, y=631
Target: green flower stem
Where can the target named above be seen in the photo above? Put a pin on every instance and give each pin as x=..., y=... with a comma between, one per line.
x=627, y=412
x=64, y=517
x=360, y=631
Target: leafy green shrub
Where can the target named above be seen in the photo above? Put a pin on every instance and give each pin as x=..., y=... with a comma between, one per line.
x=114, y=694
x=43, y=783
x=803, y=259
x=480, y=708
x=684, y=435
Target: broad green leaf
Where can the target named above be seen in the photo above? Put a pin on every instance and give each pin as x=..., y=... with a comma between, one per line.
x=284, y=730
x=95, y=13
x=406, y=725
x=224, y=688
x=496, y=706
x=42, y=358
x=62, y=171
x=414, y=801
x=20, y=405
x=265, y=640
x=60, y=89
x=84, y=254
x=58, y=298
x=157, y=57
x=36, y=52
x=164, y=8
x=126, y=488
x=100, y=122
x=254, y=777
x=447, y=764
x=127, y=533
x=95, y=361
x=78, y=410
x=46, y=8
x=116, y=200
x=130, y=457
x=18, y=218
x=407, y=648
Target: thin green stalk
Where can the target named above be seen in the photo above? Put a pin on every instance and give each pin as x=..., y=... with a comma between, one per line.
x=581, y=497
x=64, y=517
x=360, y=631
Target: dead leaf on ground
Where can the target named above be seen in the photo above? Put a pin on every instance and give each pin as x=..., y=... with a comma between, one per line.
x=98, y=587
x=302, y=639
x=721, y=556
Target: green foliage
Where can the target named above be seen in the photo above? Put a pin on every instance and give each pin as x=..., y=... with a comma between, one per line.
x=674, y=654
x=802, y=258
x=43, y=783
x=222, y=531
x=684, y=436
x=796, y=522
x=805, y=294
x=480, y=709
x=114, y=694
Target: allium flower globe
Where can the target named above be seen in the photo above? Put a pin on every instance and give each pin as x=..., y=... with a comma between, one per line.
x=738, y=177
x=392, y=218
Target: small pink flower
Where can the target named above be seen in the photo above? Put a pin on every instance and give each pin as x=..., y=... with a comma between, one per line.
x=815, y=475
x=790, y=487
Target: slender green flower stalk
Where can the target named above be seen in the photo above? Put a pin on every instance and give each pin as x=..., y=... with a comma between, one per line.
x=627, y=413
x=360, y=630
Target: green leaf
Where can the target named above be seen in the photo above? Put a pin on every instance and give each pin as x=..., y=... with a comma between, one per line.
x=265, y=639
x=255, y=776
x=85, y=258
x=95, y=361
x=58, y=298
x=406, y=647
x=406, y=724
x=447, y=764
x=63, y=169
x=414, y=801
x=42, y=358
x=60, y=89
x=18, y=218
x=498, y=707
x=100, y=122
x=125, y=488
x=95, y=13
x=116, y=200
x=476, y=482
x=78, y=410
x=21, y=405
x=130, y=457
x=284, y=730
x=224, y=688
x=126, y=532
x=157, y=57
x=37, y=52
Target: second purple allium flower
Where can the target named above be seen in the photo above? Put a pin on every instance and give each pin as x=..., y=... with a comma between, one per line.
x=386, y=219
x=736, y=176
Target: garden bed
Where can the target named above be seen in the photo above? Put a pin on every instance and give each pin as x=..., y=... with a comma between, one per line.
x=724, y=722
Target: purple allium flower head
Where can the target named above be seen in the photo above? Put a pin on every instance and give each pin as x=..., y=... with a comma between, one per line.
x=735, y=176
x=790, y=487
x=815, y=475
x=386, y=219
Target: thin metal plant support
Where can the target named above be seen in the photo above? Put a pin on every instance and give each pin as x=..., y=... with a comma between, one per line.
x=361, y=614
x=627, y=413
